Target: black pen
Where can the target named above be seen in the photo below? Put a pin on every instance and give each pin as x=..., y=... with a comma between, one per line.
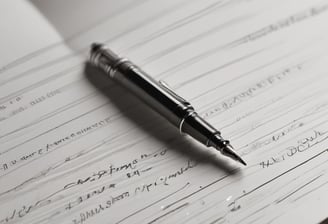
x=161, y=98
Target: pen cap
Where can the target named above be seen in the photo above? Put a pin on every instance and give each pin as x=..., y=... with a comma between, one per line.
x=103, y=57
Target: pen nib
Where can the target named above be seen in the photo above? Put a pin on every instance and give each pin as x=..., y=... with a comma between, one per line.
x=226, y=149
x=230, y=152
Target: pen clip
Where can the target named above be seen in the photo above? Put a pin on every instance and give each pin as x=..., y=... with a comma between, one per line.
x=166, y=87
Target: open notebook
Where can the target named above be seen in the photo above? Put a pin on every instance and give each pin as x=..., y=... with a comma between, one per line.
x=77, y=148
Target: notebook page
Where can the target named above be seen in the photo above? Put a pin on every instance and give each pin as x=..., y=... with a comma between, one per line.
x=78, y=148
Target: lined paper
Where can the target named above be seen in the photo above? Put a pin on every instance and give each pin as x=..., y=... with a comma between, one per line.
x=77, y=148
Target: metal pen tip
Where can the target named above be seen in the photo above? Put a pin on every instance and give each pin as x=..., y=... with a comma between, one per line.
x=230, y=152
x=242, y=161
x=225, y=148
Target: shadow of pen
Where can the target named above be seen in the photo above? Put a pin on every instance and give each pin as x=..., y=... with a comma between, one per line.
x=140, y=114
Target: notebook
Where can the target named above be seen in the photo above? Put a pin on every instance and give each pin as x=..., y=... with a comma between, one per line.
x=75, y=147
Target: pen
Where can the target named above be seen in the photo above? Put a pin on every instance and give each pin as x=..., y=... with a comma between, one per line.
x=161, y=98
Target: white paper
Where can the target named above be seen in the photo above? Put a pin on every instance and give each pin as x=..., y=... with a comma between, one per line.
x=78, y=148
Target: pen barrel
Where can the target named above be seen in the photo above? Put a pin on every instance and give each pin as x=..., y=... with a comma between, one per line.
x=157, y=95
x=172, y=107
x=152, y=92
